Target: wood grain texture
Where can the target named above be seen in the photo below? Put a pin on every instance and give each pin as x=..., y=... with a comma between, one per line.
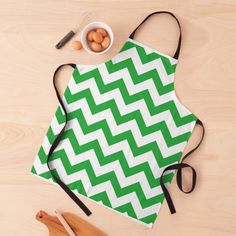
x=205, y=83
x=79, y=226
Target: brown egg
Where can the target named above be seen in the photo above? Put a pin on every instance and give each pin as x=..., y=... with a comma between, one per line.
x=96, y=47
x=90, y=35
x=97, y=37
x=106, y=42
x=102, y=31
x=77, y=45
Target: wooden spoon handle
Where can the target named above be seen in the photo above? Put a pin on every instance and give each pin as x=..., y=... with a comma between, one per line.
x=53, y=224
x=79, y=226
x=84, y=228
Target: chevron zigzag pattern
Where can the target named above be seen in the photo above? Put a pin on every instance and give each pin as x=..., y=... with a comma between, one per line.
x=125, y=126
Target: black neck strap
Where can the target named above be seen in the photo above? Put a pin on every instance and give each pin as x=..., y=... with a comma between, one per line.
x=176, y=55
x=56, y=142
x=179, y=168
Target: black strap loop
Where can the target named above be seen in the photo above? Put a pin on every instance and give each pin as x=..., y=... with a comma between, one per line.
x=56, y=142
x=179, y=168
x=176, y=55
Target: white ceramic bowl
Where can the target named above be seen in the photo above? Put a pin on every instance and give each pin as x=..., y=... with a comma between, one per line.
x=91, y=26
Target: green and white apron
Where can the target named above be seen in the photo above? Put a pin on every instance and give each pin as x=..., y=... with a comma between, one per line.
x=119, y=133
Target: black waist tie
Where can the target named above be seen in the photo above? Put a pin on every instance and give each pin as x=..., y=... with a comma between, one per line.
x=56, y=142
x=179, y=168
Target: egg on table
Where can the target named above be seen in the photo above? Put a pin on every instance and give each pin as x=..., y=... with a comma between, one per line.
x=76, y=45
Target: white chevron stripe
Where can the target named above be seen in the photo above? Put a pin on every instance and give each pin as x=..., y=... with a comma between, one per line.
x=113, y=166
x=56, y=128
x=106, y=186
x=131, y=87
x=126, y=109
x=39, y=167
x=141, y=68
x=131, y=160
x=149, y=50
x=121, y=146
x=92, y=190
x=131, y=126
x=146, y=85
x=46, y=145
x=55, y=125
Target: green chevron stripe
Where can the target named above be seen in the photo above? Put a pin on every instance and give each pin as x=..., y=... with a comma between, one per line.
x=145, y=58
x=78, y=186
x=100, y=197
x=112, y=178
x=126, y=208
x=104, y=160
x=136, y=150
x=121, y=119
x=33, y=170
x=46, y=175
x=149, y=219
x=136, y=78
x=128, y=64
x=113, y=139
x=128, y=99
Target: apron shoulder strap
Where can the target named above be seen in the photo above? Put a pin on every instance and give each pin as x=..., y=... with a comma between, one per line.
x=176, y=55
x=179, y=168
x=56, y=142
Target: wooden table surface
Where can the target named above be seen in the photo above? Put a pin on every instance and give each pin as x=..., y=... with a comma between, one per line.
x=205, y=83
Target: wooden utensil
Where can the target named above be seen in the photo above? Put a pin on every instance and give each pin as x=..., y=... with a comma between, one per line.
x=77, y=224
